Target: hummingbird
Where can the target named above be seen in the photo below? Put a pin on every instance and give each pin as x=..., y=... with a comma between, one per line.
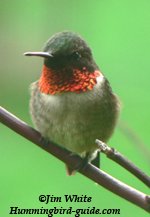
x=72, y=103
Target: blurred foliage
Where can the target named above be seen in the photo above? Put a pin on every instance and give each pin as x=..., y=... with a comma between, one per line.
x=119, y=34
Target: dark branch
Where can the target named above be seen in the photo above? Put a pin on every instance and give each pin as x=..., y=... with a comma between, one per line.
x=140, y=199
x=124, y=162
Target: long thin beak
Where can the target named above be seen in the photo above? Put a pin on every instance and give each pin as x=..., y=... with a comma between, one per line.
x=39, y=54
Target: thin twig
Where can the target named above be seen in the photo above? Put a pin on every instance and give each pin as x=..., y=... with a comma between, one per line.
x=117, y=157
x=136, y=197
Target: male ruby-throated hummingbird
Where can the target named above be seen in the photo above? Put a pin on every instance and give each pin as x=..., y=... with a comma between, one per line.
x=72, y=103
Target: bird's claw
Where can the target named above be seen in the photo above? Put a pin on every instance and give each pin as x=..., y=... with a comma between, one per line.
x=44, y=141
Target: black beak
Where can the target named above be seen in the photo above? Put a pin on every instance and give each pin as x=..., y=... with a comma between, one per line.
x=39, y=54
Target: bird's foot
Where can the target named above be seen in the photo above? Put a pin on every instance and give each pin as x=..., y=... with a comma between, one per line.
x=79, y=166
x=44, y=141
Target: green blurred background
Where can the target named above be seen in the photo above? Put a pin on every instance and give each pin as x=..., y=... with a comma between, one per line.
x=119, y=34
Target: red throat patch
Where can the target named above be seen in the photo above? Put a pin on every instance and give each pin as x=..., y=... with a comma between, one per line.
x=52, y=82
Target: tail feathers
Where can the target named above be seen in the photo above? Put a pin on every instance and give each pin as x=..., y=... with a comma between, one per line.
x=96, y=161
x=70, y=171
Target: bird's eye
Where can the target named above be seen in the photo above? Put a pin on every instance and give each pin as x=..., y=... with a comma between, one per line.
x=76, y=55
